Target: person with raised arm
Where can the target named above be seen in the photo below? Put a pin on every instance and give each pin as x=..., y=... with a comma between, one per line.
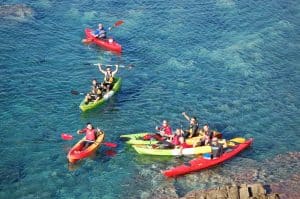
x=108, y=76
x=192, y=130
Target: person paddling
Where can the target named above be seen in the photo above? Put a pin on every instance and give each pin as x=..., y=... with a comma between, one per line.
x=108, y=76
x=165, y=130
x=192, y=130
x=100, y=32
x=90, y=134
x=96, y=92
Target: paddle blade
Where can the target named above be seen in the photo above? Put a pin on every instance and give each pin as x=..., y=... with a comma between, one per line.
x=87, y=41
x=110, y=153
x=66, y=136
x=118, y=23
x=110, y=144
x=75, y=92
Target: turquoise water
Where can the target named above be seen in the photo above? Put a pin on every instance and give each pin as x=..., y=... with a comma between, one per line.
x=234, y=64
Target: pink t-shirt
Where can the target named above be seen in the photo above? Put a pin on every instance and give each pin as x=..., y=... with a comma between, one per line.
x=89, y=134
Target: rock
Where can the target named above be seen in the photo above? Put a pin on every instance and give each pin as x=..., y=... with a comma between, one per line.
x=243, y=191
x=287, y=189
x=165, y=191
x=257, y=189
x=233, y=192
x=16, y=12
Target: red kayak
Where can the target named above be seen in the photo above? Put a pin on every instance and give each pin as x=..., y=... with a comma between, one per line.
x=201, y=163
x=104, y=43
x=76, y=153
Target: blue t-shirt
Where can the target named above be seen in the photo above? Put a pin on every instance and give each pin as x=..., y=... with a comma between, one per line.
x=101, y=32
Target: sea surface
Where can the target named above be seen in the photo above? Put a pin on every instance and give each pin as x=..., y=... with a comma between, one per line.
x=232, y=64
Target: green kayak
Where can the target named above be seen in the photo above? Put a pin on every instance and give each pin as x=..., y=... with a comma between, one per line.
x=138, y=138
x=152, y=150
x=149, y=150
x=106, y=96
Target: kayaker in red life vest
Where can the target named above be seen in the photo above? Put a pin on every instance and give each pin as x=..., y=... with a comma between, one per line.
x=171, y=141
x=207, y=136
x=165, y=130
x=100, y=32
x=108, y=76
x=90, y=134
x=183, y=145
x=175, y=138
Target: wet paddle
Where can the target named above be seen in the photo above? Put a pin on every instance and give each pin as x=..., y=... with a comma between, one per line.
x=76, y=92
x=129, y=66
x=66, y=136
x=118, y=23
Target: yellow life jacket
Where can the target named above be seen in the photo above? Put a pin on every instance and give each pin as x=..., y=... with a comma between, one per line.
x=108, y=78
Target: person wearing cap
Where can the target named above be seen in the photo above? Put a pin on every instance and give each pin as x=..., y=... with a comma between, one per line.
x=108, y=76
x=100, y=32
x=192, y=130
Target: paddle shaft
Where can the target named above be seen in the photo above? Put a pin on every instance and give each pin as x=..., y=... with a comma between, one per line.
x=120, y=66
x=118, y=23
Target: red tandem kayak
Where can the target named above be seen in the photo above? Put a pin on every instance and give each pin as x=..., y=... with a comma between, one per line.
x=104, y=43
x=76, y=153
x=201, y=163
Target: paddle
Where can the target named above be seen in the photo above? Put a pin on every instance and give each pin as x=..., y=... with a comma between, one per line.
x=129, y=66
x=118, y=23
x=66, y=136
x=76, y=92
x=89, y=40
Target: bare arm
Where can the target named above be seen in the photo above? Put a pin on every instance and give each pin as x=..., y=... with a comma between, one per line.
x=100, y=69
x=81, y=131
x=115, y=71
x=186, y=116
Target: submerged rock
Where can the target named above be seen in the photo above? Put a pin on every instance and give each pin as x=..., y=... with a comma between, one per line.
x=17, y=12
x=279, y=175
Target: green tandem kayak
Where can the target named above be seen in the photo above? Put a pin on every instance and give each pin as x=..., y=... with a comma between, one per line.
x=117, y=85
x=138, y=138
x=147, y=149
x=150, y=150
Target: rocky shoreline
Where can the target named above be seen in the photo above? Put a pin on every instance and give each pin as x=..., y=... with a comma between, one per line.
x=242, y=191
x=278, y=178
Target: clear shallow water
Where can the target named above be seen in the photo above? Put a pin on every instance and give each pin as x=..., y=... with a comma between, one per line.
x=232, y=64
